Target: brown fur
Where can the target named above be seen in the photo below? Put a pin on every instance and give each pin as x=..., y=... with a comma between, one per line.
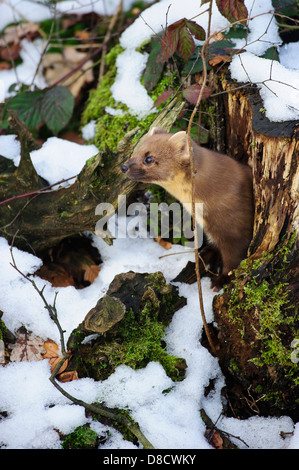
x=222, y=184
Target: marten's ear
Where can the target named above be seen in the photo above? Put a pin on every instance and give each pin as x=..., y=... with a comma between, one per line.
x=156, y=130
x=179, y=141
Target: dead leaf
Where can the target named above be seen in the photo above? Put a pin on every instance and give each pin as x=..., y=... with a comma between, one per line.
x=5, y=66
x=91, y=273
x=68, y=376
x=10, y=52
x=214, y=438
x=54, y=355
x=56, y=275
x=166, y=245
x=218, y=59
x=13, y=34
x=83, y=35
x=28, y=347
x=57, y=65
x=192, y=92
x=218, y=36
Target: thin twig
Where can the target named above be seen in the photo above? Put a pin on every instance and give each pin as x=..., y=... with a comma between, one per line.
x=38, y=191
x=97, y=409
x=197, y=266
x=108, y=36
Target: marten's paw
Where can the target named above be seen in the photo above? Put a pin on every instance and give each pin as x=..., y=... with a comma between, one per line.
x=219, y=281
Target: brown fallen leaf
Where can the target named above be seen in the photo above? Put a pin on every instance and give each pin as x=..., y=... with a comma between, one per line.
x=14, y=33
x=83, y=35
x=56, y=275
x=91, y=273
x=54, y=355
x=27, y=347
x=57, y=65
x=166, y=245
x=5, y=66
x=68, y=376
x=218, y=59
x=11, y=51
x=214, y=438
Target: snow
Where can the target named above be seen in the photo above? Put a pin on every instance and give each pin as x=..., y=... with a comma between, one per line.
x=35, y=408
x=279, y=86
x=26, y=71
x=56, y=160
x=169, y=420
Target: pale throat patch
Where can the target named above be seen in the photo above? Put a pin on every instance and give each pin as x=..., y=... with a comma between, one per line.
x=180, y=188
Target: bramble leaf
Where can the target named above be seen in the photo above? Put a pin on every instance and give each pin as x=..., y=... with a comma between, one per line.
x=191, y=93
x=170, y=41
x=28, y=105
x=186, y=45
x=233, y=10
x=196, y=30
x=179, y=37
x=163, y=97
x=57, y=108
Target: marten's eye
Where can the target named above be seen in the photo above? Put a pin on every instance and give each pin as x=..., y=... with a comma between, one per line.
x=148, y=160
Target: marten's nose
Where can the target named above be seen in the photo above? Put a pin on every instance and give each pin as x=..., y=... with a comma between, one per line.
x=124, y=168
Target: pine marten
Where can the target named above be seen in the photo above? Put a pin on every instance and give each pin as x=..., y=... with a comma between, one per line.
x=222, y=184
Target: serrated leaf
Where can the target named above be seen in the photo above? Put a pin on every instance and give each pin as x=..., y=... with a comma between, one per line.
x=271, y=54
x=154, y=66
x=196, y=30
x=170, y=41
x=233, y=10
x=186, y=45
x=28, y=105
x=191, y=93
x=57, y=108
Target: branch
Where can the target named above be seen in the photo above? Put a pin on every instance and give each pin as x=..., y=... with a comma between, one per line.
x=96, y=409
x=38, y=191
x=197, y=266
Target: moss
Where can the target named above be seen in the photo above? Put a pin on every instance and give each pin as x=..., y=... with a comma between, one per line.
x=82, y=438
x=138, y=338
x=141, y=342
x=111, y=129
x=263, y=312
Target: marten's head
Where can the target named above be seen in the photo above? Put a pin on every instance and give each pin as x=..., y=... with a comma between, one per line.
x=160, y=158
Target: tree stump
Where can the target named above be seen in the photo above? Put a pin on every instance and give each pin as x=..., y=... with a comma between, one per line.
x=257, y=314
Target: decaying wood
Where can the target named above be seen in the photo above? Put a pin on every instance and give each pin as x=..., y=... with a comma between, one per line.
x=272, y=150
x=43, y=219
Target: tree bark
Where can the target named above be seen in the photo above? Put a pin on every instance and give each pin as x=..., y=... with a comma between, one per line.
x=257, y=315
x=41, y=220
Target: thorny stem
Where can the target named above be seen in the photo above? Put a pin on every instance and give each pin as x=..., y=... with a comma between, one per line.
x=96, y=409
x=197, y=266
x=38, y=191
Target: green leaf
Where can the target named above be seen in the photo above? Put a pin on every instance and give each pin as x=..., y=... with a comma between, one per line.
x=170, y=40
x=154, y=66
x=57, y=108
x=196, y=30
x=179, y=37
x=186, y=45
x=271, y=54
x=233, y=10
x=238, y=31
x=28, y=105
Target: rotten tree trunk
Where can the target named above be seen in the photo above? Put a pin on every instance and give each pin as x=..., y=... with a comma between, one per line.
x=257, y=315
x=42, y=220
